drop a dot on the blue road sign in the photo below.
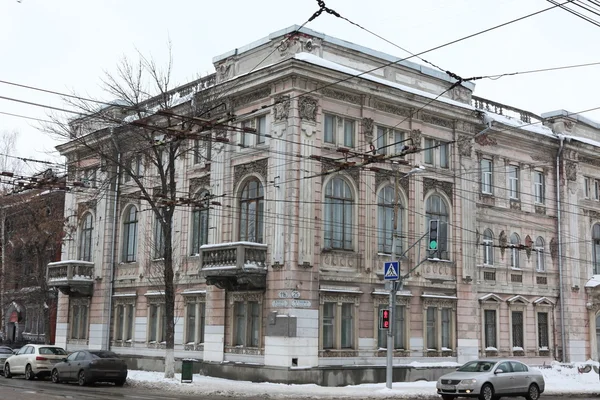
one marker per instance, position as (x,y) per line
(391,271)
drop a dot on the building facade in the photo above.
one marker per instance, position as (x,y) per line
(286,269)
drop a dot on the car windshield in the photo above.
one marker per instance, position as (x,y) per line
(57,351)
(103,354)
(477,366)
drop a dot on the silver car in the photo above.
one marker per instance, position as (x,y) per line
(490,379)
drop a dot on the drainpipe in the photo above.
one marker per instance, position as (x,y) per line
(113,261)
(560,264)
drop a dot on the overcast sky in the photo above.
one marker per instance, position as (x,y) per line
(65,45)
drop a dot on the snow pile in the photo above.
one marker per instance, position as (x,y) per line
(560,379)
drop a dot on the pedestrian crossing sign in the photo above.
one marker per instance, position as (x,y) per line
(391,271)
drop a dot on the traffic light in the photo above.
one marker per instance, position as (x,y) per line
(438,237)
(384,319)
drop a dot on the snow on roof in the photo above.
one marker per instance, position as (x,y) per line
(593,282)
(575,116)
(517,123)
(438,296)
(583,140)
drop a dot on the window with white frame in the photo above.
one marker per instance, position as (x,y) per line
(339,215)
(439,327)
(490,330)
(436,153)
(488,247)
(596,248)
(124,317)
(130,229)
(513,182)
(202,151)
(540,264)
(486,176)
(539,187)
(389,141)
(253,131)
(399,328)
(543,331)
(338,130)
(252,200)
(515,244)
(339,322)
(436,208)
(247,311)
(385,218)
(586,187)
(200,214)
(79,319)
(85,239)
(157,322)
(195,314)
(517,329)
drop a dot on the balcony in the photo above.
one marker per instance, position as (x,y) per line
(73,278)
(234,266)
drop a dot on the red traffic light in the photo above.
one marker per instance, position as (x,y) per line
(384,319)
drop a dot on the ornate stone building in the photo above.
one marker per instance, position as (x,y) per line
(287,270)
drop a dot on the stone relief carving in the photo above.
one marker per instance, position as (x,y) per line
(86,206)
(435,120)
(465,146)
(462,94)
(515,204)
(252,96)
(281,108)
(343,96)
(540,209)
(131,198)
(415,136)
(590,161)
(295,43)
(403,112)
(503,241)
(384,176)
(554,248)
(340,298)
(594,215)
(353,173)
(440,303)
(197,183)
(258,167)
(528,246)
(485,140)
(380,299)
(571,171)
(245,296)
(308,108)
(367,128)
(225,70)
(466,127)
(431,184)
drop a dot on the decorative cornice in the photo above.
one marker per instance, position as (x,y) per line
(308,107)
(590,161)
(252,96)
(389,108)
(259,167)
(245,296)
(343,96)
(430,184)
(435,120)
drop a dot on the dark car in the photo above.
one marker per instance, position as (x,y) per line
(90,366)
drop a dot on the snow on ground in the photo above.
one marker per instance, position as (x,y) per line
(560,379)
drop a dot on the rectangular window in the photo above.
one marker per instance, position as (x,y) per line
(486,176)
(431,328)
(399,142)
(197,151)
(79,322)
(153,323)
(586,187)
(538,182)
(329,129)
(381,140)
(428,150)
(444,156)
(490,328)
(159,239)
(329,325)
(261,129)
(596,190)
(129,318)
(399,329)
(513,181)
(488,252)
(190,321)
(347,326)
(542,330)
(124,322)
(348,133)
(119,322)
(446,328)
(517,328)
(247,324)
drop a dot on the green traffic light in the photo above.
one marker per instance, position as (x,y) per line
(433,245)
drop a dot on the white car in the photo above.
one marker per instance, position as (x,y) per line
(33,360)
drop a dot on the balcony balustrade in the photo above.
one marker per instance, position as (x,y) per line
(234,266)
(71,277)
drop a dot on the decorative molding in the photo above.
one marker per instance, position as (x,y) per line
(259,167)
(308,107)
(465,146)
(571,170)
(340,298)
(415,136)
(432,184)
(466,127)
(515,204)
(528,246)
(343,96)
(245,296)
(439,303)
(197,183)
(252,96)
(384,299)
(435,120)
(485,140)
(503,241)
(367,129)
(389,108)
(590,161)
(542,157)
(281,108)
(82,208)
(384,176)
(540,209)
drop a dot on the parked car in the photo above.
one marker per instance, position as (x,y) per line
(90,366)
(5,352)
(491,379)
(33,360)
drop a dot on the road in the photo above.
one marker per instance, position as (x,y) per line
(20,389)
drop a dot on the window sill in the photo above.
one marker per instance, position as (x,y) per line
(489,266)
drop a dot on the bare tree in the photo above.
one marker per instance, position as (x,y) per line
(8,162)
(151,125)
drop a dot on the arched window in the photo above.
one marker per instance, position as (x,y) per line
(540,265)
(436,208)
(385,219)
(514,250)
(200,222)
(488,247)
(251,211)
(339,215)
(130,224)
(596,249)
(85,240)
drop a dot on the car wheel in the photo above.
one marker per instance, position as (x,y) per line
(447,397)
(533,393)
(487,392)
(81,378)
(7,371)
(29,375)
(120,383)
(55,377)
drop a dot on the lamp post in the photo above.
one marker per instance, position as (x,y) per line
(395,285)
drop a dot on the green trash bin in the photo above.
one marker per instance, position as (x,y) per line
(187,370)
